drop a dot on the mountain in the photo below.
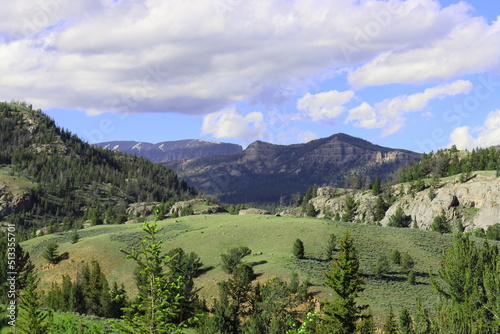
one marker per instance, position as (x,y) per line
(265,172)
(49,176)
(167,151)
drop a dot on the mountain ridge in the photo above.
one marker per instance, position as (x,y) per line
(266,171)
(167,151)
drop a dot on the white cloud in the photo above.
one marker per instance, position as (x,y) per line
(189,57)
(324,106)
(444,56)
(228,123)
(389,114)
(489,135)
(306,136)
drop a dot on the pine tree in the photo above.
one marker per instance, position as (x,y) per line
(158,301)
(350,208)
(298,249)
(405,322)
(31,319)
(344,277)
(331,246)
(390,325)
(422,322)
(51,254)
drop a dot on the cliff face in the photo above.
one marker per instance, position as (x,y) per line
(476,203)
(264,171)
(173,150)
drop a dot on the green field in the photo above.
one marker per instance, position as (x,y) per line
(270,238)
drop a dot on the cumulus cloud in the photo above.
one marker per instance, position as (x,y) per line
(488,135)
(197,58)
(442,57)
(390,114)
(324,106)
(228,123)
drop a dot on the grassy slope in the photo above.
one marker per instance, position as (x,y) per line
(211,235)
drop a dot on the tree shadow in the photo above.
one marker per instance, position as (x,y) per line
(253,264)
(204,270)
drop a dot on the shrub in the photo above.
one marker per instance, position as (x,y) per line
(440,224)
(493,232)
(399,219)
(187,211)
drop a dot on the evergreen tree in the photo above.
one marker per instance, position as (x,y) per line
(31,318)
(298,249)
(234,258)
(51,254)
(405,322)
(331,246)
(399,219)
(158,301)
(344,277)
(375,186)
(390,325)
(350,209)
(422,322)
(380,208)
(74,237)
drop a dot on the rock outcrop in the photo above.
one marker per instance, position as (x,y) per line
(14,203)
(475,202)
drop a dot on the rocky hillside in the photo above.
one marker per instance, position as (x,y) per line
(265,172)
(48,176)
(173,150)
(475,202)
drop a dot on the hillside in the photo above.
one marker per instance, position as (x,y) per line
(167,151)
(264,172)
(270,238)
(49,177)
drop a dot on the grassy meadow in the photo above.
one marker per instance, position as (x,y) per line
(270,238)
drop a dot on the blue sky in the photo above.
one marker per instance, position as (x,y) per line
(415,74)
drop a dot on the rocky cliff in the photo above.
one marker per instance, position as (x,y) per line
(475,202)
(264,171)
(173,150)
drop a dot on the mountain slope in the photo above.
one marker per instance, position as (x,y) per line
(264,171)
(173,150)
(65,179)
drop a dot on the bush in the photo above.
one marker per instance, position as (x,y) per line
(187,211)
(298,249)
(440,224)
(493,232)
(399,219)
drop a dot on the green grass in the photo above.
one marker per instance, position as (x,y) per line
(271,239)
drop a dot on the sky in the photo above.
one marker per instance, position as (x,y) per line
(416,74)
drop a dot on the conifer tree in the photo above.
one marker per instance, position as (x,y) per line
(344,277)
(31,318)
(298,249)
(390,325)
(157,304)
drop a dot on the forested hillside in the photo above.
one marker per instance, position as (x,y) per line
(49,177)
